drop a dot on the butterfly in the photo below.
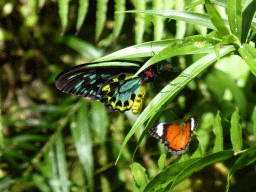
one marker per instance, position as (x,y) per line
(110,82)
(175,138)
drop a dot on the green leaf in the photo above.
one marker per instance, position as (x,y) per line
(41,183)
(158,21)
(248,53)
(248,157)
(162,161)
(63,12)
(62,164)
(80,130)
(180,47)
(1,134)
(218,131)
(236,132)
(254,121)
(216,19)
(139,175)
(168,175)
(170,91)
(118,17)
(187,16)
(201,163)
(140,50)
(219,83)
(139,21)
(82,47)
(234,12)
(248,15)
(99,121)
(82,11)
(101,15)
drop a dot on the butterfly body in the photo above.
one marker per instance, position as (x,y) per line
(112,85)
(175,138)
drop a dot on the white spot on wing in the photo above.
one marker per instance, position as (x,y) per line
(193,124)
(160,129)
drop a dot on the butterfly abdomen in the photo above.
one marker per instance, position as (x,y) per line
(138,101)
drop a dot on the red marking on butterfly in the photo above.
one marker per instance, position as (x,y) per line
(175,138)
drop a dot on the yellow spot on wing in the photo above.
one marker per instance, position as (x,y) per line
(138,101)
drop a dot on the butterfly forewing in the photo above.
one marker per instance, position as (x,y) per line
(112,85)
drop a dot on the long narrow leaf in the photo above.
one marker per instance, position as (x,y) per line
(247,158)
(101,15)
(203,162)
(218,131)
(234,11)
(118,17)
(216,19)
(62,164)
(248,53)
(248,15)
(181,47)
(139,21)
(63,12)
(82,11)
(236,132)
(82,138)
(187,16)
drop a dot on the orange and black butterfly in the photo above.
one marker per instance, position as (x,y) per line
(175,138)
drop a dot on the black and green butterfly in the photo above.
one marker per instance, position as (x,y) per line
(110,82)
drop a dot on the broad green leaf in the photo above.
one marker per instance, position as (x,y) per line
(248,157)
(62,164)
(248,15)
(63,12)
(81,134)
(201,163)
(216,19)
(118,17)
(236,132)
(101,15)
(139,175)
(82,11)
(170,91)
(218,131)
(168,175)
(248,53)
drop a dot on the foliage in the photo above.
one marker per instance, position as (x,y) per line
(56,142)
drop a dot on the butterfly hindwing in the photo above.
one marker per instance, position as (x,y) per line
(112,85)
(124,93)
